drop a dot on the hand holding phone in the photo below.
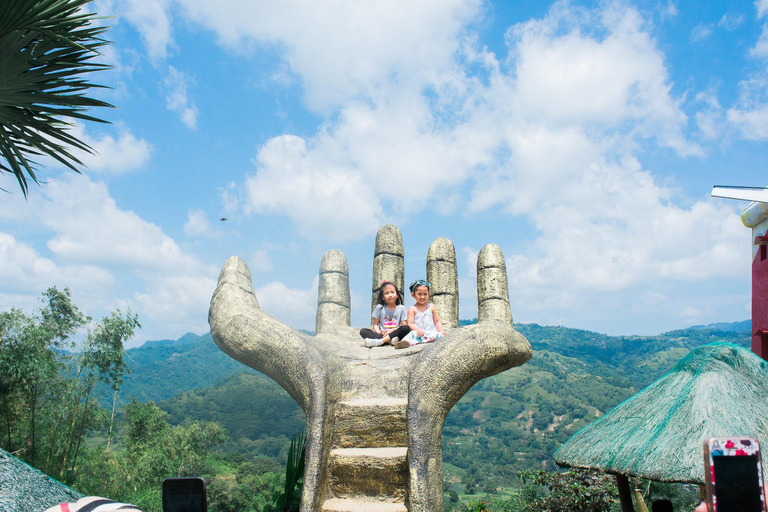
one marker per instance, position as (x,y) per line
(733,475)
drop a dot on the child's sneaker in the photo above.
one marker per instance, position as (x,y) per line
(373,342)
(401,344)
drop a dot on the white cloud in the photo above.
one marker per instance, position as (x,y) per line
(112,154)
(669,11)
(177,98)
(176,303)
(230,197)
(750,114)
(730,23)
(701,32)
(197,225)
(104,253)
(152,19)
(344,49)
(711,120)
(24,270)
(762,7)
(565,76)
(260,261)
(293,307)
(324,199)
(90,227)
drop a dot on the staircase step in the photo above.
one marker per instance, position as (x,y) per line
(371,423)
(338,505)
(374,472)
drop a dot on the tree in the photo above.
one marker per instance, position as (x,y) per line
(577,490)
(153,450)
(46,46)
(47,379)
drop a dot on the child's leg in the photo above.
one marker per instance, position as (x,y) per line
(365,332)
(372,338)
(401,332)
(432,336)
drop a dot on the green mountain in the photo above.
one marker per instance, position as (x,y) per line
(258,414)
(512,421)
(163,369)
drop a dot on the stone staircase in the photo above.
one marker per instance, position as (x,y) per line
(368,467)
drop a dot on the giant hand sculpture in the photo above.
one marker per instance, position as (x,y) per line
(374,416)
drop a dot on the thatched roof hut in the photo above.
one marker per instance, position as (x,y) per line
(719,389)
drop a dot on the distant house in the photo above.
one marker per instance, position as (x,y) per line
(25,489)
(755,216)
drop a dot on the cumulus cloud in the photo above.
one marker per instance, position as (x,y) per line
(260,261)
(90,227)
(566,76)
(362,44)
(323,198)
(25,270)
(96,248)
(197,225)
(113,154)
(750,112)
(176,301)
(294,307)
(153,21)
(422,120)
(668,11)
(762,7)
(177,98)
(711,120)
(551,137)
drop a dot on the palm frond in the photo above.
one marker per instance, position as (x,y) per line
(46,48)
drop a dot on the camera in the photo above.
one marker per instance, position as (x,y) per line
(185,494)
(733,475)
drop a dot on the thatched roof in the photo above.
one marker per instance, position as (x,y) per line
(719,389)
(25,489)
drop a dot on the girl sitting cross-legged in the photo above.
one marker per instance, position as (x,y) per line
(389,318)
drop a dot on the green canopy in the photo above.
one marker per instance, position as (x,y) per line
(25,489)
(719,389)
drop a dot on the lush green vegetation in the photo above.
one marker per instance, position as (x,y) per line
(186,408)
(47,380)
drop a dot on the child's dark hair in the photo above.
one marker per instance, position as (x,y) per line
(418,283)
(380,298)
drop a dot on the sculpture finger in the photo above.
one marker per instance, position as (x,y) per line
(333,302)
(388,263)
(441,375)
(492,290)
(444,281)
(258,340)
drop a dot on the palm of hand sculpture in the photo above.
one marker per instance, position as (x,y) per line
(374,416)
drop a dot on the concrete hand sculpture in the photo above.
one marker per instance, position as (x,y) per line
(374,416)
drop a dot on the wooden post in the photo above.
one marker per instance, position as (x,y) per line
(625,495)
(640,502)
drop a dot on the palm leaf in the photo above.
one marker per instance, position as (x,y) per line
(46,48)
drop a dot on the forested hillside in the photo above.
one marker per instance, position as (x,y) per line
(506,423)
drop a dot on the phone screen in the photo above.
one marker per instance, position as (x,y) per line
(737,483)
(184,495)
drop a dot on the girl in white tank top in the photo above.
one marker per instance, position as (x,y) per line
(423,318)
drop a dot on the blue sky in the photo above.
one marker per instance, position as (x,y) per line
(582,137)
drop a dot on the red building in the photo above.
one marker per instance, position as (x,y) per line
(755,216)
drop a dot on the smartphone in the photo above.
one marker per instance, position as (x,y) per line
(733,475)
(185,494)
